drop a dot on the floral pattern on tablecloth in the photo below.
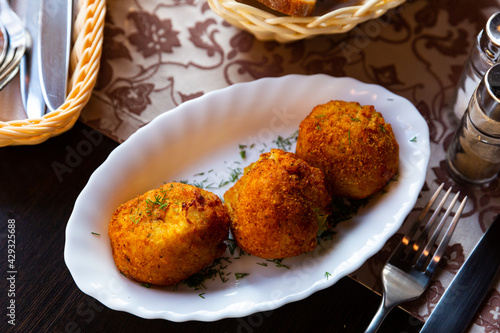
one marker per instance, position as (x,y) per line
(159,54)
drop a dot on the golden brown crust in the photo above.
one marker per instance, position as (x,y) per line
(352,144)
(291,7)
(168,234)
(274,206)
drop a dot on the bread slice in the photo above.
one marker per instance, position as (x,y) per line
(291,7)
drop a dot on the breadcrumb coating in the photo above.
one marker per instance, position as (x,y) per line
(277,206)
(168,234)
(352,144)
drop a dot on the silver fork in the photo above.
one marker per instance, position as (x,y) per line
(410,268)
(16,40)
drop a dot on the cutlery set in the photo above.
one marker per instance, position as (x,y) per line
(38,47)
(405,277)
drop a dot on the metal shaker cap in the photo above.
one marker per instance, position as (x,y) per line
(490,38)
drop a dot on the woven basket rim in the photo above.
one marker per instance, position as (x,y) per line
(84,63)
(267,26)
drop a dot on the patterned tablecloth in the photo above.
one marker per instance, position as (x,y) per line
(158,54)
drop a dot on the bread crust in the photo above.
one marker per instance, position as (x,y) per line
(291,7)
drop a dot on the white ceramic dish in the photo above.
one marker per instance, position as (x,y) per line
(201,141)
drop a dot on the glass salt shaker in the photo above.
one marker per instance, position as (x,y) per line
(474,154)
(484,54)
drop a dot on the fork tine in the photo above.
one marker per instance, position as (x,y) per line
(9,77)
(444,242)
(431,242)
(411,244)
(411,233)
(429,224)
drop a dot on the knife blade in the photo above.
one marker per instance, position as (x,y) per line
(31,91)
(458,305)
(56,18)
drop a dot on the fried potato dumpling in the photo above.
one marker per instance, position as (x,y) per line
(352,144)
(277,206)
(168,234)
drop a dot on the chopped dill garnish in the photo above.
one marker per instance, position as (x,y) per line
(231,245)
(242,253)
(327,275)
(278,263)
(414,139)
(286,143)
(240,275)
(343,209)
(262,264)
(147,285)
(235,174)
(243,153)
(202,295)
(198,185)
(160,201)
(215,269)
(95,233)
(223,183)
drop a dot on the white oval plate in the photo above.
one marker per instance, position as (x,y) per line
(201,141)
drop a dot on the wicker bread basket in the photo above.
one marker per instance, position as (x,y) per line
(266,26)
(84,65)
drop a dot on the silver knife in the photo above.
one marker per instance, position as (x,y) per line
(31,91)
(54,42)
(458,305)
